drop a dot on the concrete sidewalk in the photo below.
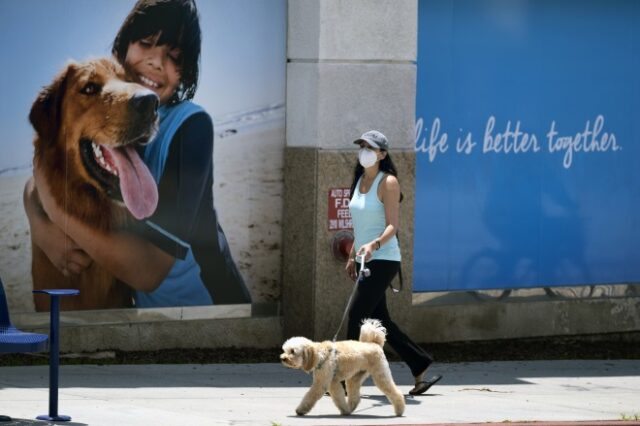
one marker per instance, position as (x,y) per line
(267,394)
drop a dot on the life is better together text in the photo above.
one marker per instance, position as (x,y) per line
(513,139)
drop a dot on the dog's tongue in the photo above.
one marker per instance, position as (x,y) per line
(139,190)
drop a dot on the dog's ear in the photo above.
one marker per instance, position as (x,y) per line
(309,358)
(46,111)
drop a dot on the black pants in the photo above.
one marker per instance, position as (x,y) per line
(370,302)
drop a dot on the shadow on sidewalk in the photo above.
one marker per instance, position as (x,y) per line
(277,376)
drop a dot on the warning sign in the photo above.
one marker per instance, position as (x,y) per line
(339,217)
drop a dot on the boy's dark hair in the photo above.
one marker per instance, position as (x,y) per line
(178,22)
(386,166)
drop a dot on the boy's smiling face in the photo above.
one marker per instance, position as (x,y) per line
(154,66)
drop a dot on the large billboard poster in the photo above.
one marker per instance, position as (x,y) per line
(527,144)
(203,223)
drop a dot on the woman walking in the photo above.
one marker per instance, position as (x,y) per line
(375,208)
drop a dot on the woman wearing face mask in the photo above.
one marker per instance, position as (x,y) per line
(375,208)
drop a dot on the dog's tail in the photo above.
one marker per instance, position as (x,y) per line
(372,331)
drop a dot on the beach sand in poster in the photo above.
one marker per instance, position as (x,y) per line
(248,195)
(15,246)
(248,187)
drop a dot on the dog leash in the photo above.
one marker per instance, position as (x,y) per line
(363,272)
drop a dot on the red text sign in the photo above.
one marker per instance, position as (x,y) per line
(339,216)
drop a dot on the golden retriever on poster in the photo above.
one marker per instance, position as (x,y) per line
(348,360)
(88,123)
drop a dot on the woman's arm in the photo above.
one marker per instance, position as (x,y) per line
(61,250)
(389,193)
(351,264)
(390,196)
(130,259)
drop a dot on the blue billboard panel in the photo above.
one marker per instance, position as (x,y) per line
(527,144)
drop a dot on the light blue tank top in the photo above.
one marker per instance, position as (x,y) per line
(183,285)
(367,215)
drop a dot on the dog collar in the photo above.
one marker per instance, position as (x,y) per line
(322,362)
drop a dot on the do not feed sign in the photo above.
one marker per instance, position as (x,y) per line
(339,216)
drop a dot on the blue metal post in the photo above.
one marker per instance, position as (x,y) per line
(54,354)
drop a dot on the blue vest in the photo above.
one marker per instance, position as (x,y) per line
(183,285)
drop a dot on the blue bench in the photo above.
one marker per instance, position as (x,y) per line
(13,340)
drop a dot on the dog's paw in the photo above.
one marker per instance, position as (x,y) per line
(399,409)
(353,404)
(301,411)
(345,412)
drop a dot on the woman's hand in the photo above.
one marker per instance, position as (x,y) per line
(351,269)
(61,250)
(366,250)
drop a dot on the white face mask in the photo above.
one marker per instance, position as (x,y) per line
(367,158)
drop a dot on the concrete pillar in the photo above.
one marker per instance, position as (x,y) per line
(351,68)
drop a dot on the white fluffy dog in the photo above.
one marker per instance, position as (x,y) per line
(347,360)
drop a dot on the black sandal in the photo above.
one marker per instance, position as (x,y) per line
(423,386)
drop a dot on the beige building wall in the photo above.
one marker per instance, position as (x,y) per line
(351,68)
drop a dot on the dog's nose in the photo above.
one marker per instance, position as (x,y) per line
(145,104)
